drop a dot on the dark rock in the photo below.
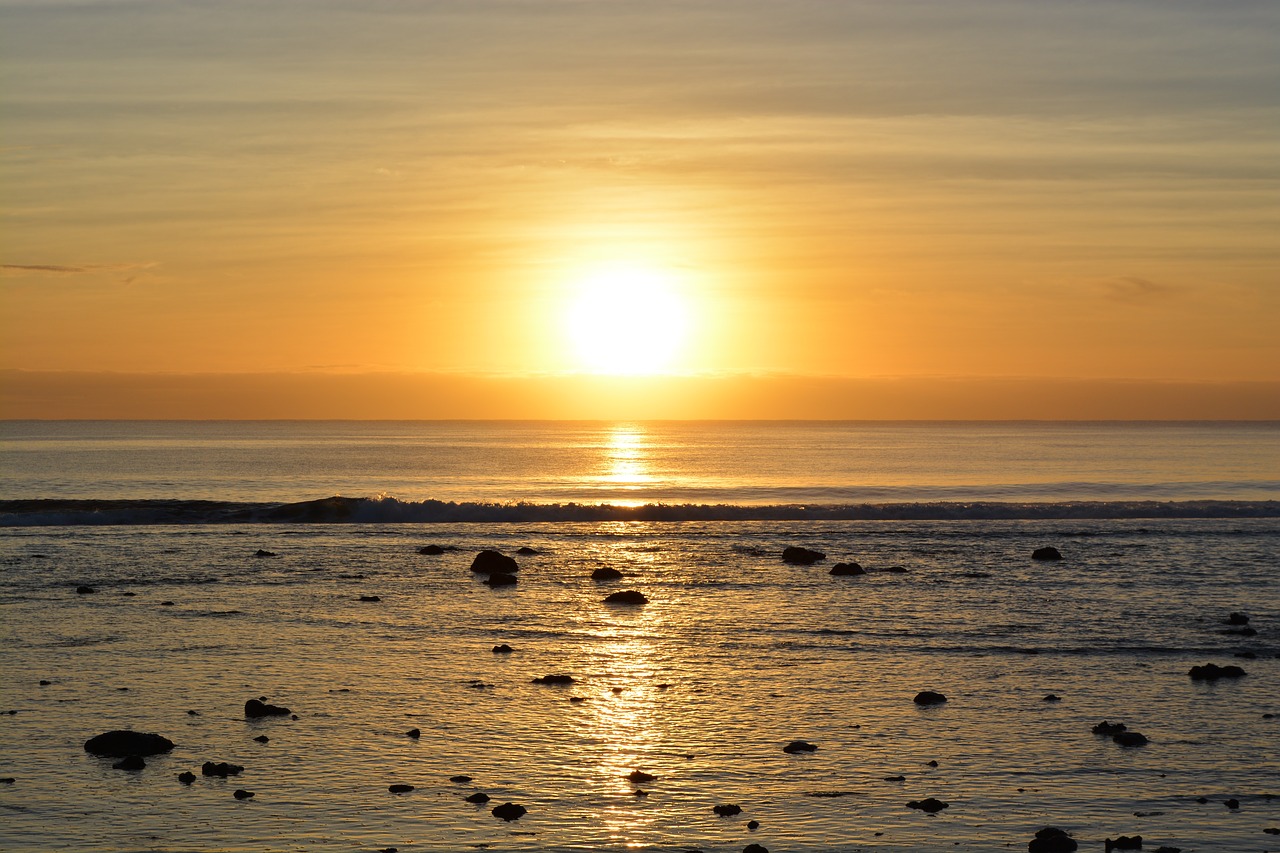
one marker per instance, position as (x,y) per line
(431,550)
(1052,697)
(847,569)
(526,551)
(753,825)
(1272,830)
(1109,728)
(615,690)
(1166,849)
(577,699)
(166,604)
(637,777)
(639,793)
(929,697)
(1231,803)
(45,683)
(728,810)
(221,769)
(509,812)
(400,789)
(1052,840)
(255,708)
(85,590)
(193,713)
(828,795)
(460,779)
(414,733)
(1202,800)
(1124,842)
(895,570)
(1130,738)
(186,777)
(755,848)
(128,594)
(370,598)
(801,556)
(1212,672)
(122,742)
(606,573)
(1237,619)
(261,553)
(242,794)
(929,805)
(478,797)
(554,679)
(130,762)
(488,562)
(1240,632)
(501,579)
(262,739)
(1046,553)
(895,778)
(932,763)
(798,746)
(503,649)
(627,596)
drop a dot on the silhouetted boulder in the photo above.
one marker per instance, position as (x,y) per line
(1052,697)
(221,769)
(627,596)
(370,598)
(242,794)
(413,733)
(130,762)
(929,697)
(638,777)
(1231,803)
(1052,840)
(605,573)
(929,805)
(727,810)
(487,562)
(1212,672)
(1237,619)
(85,590)
(502,649)
(526,551)
(498,579)
(798,746)
(1046,553)
(1108,728)
(755,848)
(186,777)
(554,679)
(255,708)
(478,797)
(122,742)
(262,553)
(262,739)
(1130,738)
(509,812)
(801,556)
(847,569)
(400,789)
(431,550)
(1124,842)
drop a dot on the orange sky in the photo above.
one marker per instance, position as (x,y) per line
(954,195)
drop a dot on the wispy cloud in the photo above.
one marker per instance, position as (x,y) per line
(1131,288)
(11,270)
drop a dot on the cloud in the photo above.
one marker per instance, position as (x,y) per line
(11,270)
(1131,288)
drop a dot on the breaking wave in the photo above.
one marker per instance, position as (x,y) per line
(389,510)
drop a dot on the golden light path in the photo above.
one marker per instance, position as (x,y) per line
(625,462)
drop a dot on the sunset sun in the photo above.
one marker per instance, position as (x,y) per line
(627,321)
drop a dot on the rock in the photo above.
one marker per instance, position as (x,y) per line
(637,777)
(460,779)
(606,574)
(242,794)
(261,553)
(1052,840)
(554,679)
(166,604)
(498,579)
(1124,842)
(526,551)
(1237,619)
(755,848)
(221,769)
(262,739)
(478,797)
(488,562)
(1046,553)
(44,682)
(847,569)
(1231,803)
(929,697)
(431,550)
(895,778)
(122,742)
(727,810)
(85,590)
(255,708)
(400,789)
(801,556)
(370,598)
(509,812)
(1212,672)
(1246,655)
(1240,632)
(753,825)
(130,762)
(895,570)
(414,733)
(1052,698)
(929,805)
(1272,830)
(627,596)
(798,746)
(503,649)
(186,777)
(1108,728)
(1130,738)
(932,763)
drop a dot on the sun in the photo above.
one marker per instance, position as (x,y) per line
(627,320)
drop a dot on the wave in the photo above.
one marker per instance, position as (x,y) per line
(389,510)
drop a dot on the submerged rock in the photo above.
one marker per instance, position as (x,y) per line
(264,553)
(85,590)
(627,596)
(413,733)
(130,762)
(221,769)
(1124,842)
(460,779)
(1237,619)
(798,746)
(186,777)
(502,649)
(370,598)
(801,556)
(605,573)
(509,812)
(1052,840)
(930,805)
(431,550)
(262,739)
(1046,553)
(526,551)
(400,789)
(554,679)
(255,708)
(1052,697)
(501,579)
(727,810)
(1212,672)
(1108,728)
(489,561)
(847,569)
(755,848)
(123,742)
(478,797)
(637,777)
(929,697)
(242,794)
(1130,738)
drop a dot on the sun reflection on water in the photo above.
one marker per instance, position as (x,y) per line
(625,462)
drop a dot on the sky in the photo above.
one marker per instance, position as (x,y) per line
(597,208)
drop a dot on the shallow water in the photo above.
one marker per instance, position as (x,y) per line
(754,653)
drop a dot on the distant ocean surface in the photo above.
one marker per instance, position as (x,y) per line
(155,576)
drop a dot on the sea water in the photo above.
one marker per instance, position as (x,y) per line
(736,654)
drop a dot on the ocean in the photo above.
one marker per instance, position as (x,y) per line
(235,561)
